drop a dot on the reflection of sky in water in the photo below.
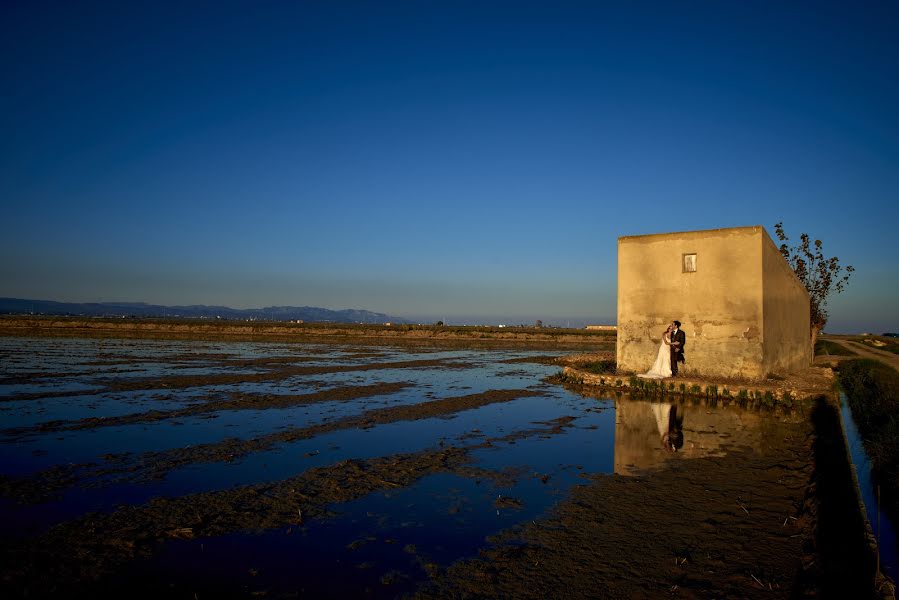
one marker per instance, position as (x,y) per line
(31,412)
(150,370)
(459,381)
(880,523)
(91,444)
(43,450)
(438,519)
(287,460)
(87,445)
(49,385)
(319,560)
(579,445)
(290,459)
(151,358)
(444,516)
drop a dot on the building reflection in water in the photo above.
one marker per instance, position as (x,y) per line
(650,432)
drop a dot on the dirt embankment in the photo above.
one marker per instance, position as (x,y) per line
(293,331)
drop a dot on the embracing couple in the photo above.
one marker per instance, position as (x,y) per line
(670,353)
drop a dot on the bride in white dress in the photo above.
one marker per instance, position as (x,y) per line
(661,368)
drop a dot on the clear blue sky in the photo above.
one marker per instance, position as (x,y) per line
(436,159)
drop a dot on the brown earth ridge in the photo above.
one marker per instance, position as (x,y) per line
(162,328)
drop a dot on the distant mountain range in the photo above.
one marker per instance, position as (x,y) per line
(309,314)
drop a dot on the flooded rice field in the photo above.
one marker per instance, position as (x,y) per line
(206,469)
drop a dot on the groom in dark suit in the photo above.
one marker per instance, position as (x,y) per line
(678,339)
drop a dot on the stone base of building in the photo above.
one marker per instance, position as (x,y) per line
(806,385)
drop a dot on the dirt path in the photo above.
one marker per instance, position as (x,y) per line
(866,352)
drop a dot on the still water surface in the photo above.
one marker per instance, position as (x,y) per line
(883,528)
(382,544)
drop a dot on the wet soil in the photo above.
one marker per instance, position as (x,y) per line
(75,556)
(744,525)
(234,401)
(119,468)
(71,557)
(178,382)
(191,381)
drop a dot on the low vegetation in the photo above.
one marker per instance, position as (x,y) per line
(872,389)
(827,347)
(599,367)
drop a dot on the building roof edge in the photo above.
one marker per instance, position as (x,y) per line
(747,229)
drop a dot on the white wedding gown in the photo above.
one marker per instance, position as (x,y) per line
(661,368)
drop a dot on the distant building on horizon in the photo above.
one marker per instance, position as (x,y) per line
(744,311)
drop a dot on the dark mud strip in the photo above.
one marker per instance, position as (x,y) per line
(151,465)
(134,357)
(192,361)
(362,354)
(35,376)
(213,358)
(188,381)
(236,401)
(261,361)
(552,427)
(69,558)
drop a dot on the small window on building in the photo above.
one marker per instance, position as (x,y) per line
(689,263)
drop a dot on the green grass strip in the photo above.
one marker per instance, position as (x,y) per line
(872,389)
(826,347)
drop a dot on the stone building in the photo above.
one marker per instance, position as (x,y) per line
(744,311)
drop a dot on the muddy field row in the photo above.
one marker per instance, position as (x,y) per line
(207,468)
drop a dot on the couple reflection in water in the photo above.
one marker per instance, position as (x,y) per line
(670,423)
(643,428)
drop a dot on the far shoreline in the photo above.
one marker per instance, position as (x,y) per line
(182,328)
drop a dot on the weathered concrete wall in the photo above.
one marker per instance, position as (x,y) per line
(719,305)
(785,312)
